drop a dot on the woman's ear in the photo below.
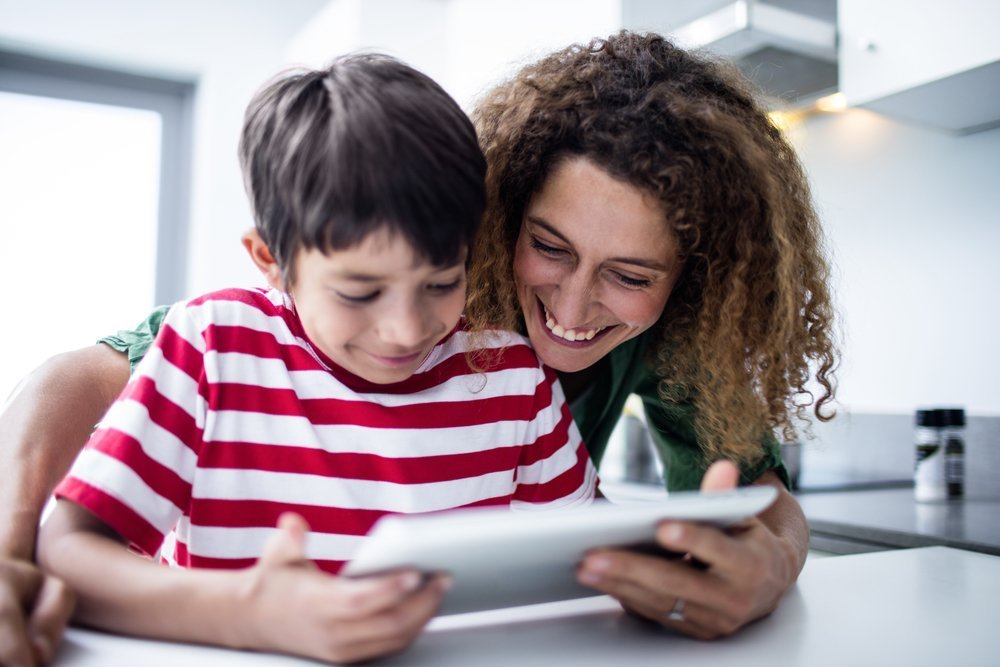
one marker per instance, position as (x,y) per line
(261,255)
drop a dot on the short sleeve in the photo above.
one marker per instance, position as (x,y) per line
(137,470)
(135,342)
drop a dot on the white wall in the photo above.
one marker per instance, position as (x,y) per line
(914,219)
(912,213)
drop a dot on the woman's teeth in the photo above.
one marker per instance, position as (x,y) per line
(569,334)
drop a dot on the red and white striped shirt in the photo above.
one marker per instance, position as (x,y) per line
(233,418)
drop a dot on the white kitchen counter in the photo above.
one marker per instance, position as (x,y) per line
(929,606)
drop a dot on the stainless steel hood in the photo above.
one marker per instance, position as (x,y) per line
(788,47)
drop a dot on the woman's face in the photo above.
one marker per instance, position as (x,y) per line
(595,263)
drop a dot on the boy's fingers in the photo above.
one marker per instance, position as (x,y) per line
(368,596)
(396,628)
(52,611)
(288,545)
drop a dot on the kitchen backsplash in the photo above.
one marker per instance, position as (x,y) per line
(865,448)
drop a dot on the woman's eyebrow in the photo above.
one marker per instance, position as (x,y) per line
(651,264)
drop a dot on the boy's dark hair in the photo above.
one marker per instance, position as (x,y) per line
(368,143)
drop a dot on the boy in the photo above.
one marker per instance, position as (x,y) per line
(348,390)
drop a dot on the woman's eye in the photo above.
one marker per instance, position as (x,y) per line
(544,248)
(634,283)
(364,298)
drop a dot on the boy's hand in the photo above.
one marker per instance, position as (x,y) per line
(291,606)
(34,608)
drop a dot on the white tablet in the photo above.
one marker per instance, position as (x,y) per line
(503,558)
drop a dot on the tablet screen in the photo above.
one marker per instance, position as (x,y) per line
(498,557)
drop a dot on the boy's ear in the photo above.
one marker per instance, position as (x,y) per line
(261,255)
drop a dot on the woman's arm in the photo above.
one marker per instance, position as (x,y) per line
(732,577)
(283,603)
(43,426)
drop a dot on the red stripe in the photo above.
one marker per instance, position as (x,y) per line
(260,344)
(164,412)
(549,443)
(179,352)
(264,514)
(559,487)
(207,563)
(352,465)
(161,479)
(256,297)
(120,517)
(334,411)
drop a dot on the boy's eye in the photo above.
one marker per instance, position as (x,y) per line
(445,288)
(364,298)
(544,248)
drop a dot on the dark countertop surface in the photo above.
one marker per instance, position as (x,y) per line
(871,520)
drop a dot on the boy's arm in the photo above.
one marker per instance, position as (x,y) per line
(43,425)
(283,603)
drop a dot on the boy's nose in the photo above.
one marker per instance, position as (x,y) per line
(407,327)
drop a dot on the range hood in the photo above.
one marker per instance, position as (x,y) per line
(788,47)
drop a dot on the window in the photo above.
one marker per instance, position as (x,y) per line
(93,204)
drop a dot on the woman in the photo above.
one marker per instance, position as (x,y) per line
(652,233)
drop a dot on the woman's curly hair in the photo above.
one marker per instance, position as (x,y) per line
(749,322)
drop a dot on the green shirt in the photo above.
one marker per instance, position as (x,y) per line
(622,372)
(625,371)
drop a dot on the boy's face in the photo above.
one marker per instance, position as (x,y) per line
(377,309)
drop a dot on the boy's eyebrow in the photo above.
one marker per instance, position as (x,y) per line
(637,261)
(356,276)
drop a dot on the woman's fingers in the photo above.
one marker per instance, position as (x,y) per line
(48,619)
(21,585)
(14,646)
(724,578)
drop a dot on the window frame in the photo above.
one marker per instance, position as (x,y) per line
(173,99)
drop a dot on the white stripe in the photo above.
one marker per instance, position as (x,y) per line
(251,427)
(132,419)
(223,312)
(172,383)
(581,497)
(241,368)
(222,542)
(179,319)
(119,481)
(547,469)
(294,488)
(462,341)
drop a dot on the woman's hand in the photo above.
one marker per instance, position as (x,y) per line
(728,577)
(292,607)
(34,609)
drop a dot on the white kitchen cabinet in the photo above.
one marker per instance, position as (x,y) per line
(937,63)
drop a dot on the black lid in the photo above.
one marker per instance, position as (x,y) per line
(930,418)
(953,417)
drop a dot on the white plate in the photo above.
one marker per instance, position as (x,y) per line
(502,558)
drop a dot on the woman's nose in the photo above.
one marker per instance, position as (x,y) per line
(576,300)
